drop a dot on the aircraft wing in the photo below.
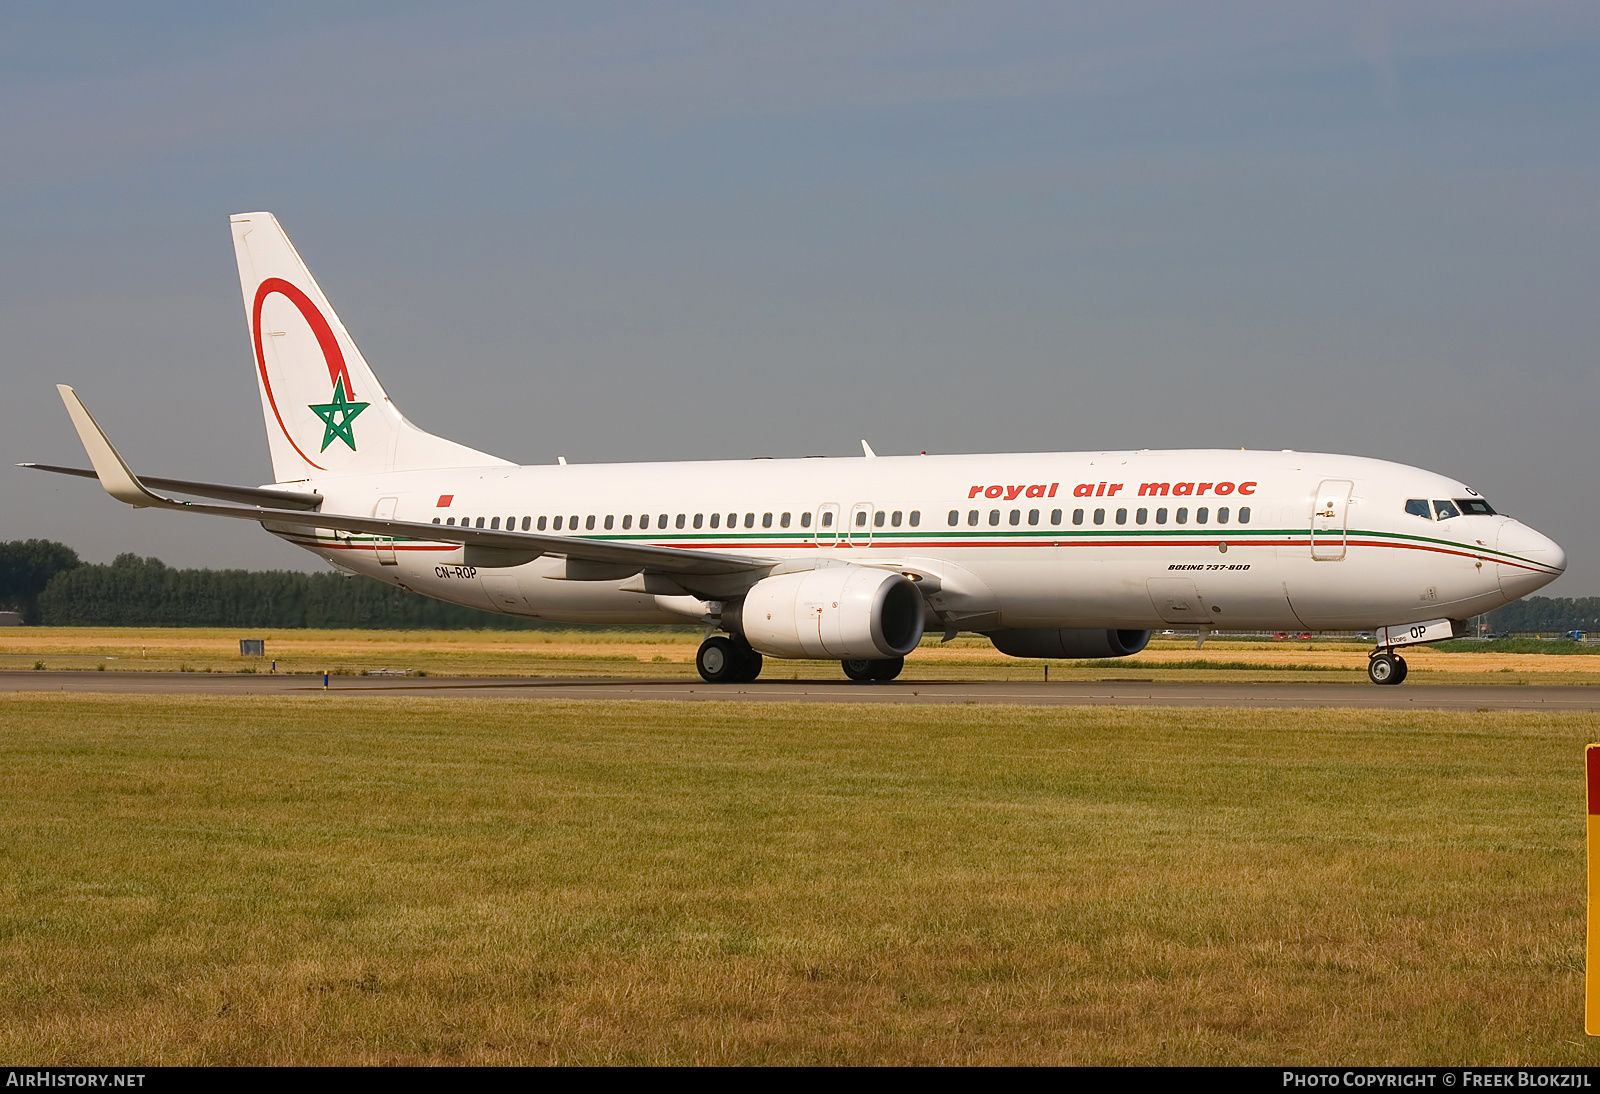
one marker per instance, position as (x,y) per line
(510,547)
(250,495)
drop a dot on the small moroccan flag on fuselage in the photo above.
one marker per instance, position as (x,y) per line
(1591,952)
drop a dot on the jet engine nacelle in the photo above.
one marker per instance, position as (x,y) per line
(846,612)
(1065,642)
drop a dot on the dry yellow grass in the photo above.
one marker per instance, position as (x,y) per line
(671,654)
(321,879)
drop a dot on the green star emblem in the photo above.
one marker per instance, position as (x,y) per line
(337,416)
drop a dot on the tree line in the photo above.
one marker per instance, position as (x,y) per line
(1543,614)
(49,584)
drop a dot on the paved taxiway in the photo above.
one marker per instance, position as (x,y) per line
(1032,693)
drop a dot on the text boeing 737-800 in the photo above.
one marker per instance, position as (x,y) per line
(1068,554)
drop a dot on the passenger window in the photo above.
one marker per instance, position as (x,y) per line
(994,518)
(588,523)
(1122,516)
(1418,507)
(716,520)
(661,521)
(494,524)
(699,519)
(972,518)
(511,523)
(644,521)
(1099,516)
(916,517)
(480,522)
(1182,516)
(766,520)
(1161,516)
(955,517)
(1055,516)
(894,521)
(1140,516)
(878,518)
(861,519)
(1202,515)
(783,521)
(1016,517)
(526,521)
(557,524)
(681,521)
(542,522)
(451,522)
(1033,516)
(627,521)
(805,519)
(1222,515)
(572,522)
(749,520)
(609,520)
(1244,514)
(1077,516)
(436,520)
(1445,509)
(733,520)
(827,518)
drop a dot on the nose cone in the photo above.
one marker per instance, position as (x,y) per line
(1531,560)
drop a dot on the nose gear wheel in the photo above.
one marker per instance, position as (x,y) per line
(1386,667)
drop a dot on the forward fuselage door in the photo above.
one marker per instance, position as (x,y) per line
(1329,513)
(859,531)
(384,545)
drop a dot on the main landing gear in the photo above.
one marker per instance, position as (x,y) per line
(863,670)
(1386,667)
(730,660)
(727,660)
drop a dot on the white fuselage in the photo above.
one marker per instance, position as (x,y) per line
(1190,539)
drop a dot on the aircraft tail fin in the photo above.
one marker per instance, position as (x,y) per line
(325,411)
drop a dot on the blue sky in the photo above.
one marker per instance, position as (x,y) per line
(635,231)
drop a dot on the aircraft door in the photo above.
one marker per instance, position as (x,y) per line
(828,524)
(1177,601)
(383,546)
(505,592)
(1329,513)
(859,531)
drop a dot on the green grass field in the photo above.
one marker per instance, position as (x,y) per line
(335,880)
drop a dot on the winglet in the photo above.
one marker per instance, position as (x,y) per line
(119,482)
(866,449)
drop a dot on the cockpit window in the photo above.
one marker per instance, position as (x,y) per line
(1445,509)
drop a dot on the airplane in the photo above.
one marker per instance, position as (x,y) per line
(1049,555)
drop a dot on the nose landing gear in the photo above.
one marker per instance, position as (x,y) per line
(1386,667)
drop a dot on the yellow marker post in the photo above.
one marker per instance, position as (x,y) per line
(1591,953)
